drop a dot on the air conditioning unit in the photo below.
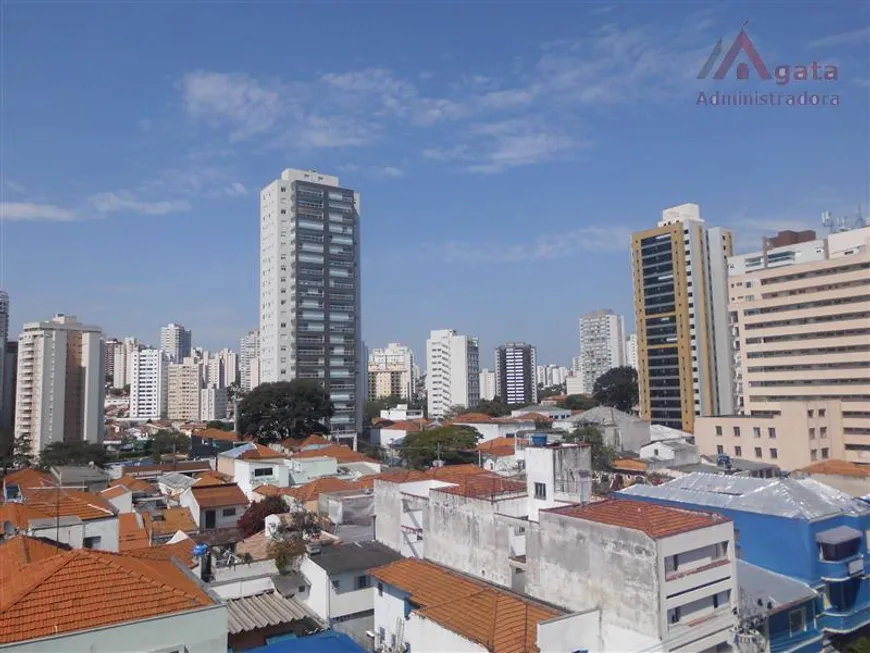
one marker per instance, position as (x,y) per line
(312,548)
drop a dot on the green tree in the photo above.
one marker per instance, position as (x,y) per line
(72,453)
(168,441)
(453,444)
(289,546)
(495,407)
(617,388)
(217,424)
(14,452)
(457,410)
(577,402)
(253,520)
(272,412)
(602,455)
(373,407)
(552,391)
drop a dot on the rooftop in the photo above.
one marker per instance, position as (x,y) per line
(311,491)
(496,619)
(252,451)
(45,598)
(181,550)
(134,484)
(769,592)
(28,477)
(168,522)
(341,558)
(498,447)
(114,492)
(790,498)
(216,434)
(837,468)
(176,481)
(264,610)
(446,473)
(216,496)
(483,486)
(68,503)
(150,470)
(328,641)
(21,550)
(69,474)
(131,532)
(651,518)
(342,453)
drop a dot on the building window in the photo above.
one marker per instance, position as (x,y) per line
(797,622)
(91,543)
(756,431)
(380,589)
(382,635)
(771,432)
(263,471)
(812,433)
(718,430)
(825,452)
(814,454)
(822,412)
(362,582)
(774,453)
(674,615)
(758,452)
(823,432)
(736,431)
(228,512)
(540,491)
(335,585)
(810,412)
(720,448)
(738,451)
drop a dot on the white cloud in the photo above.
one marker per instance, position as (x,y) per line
(113,202)
(28,211)
(388,172)
(13,186)
(845,38)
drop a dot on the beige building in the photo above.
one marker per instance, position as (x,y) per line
(61,382)
(391,372)
(802,334)
(183,391)
(802,433)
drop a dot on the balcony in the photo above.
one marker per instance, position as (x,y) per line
(834,571)
(841,556)
(845,622)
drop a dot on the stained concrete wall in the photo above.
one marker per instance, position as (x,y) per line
(388,514)
(464,534)
(582,565)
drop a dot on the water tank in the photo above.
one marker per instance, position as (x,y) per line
(539,440)
(200,550)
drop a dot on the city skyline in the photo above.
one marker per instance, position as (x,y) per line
(186,152)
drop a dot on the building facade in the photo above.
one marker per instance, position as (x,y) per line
(149,379)
(175,342)
(516,373)
(487,385)
(249,361)
(213,404)
(10,382)
(680,296)
(310,290)
(391,372)
(184,382)
(452,371)
(61,382)
(4,338)
(602,345)
(631,350)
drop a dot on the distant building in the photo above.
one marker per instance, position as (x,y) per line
(516,373)
(631,350)
(61,382)
(391,372)
(175,342)
(453,371)
(10,383)
(213,404)
(122,361)
(4,338)
(249,362)
(602,345)
(184,382)
(149,384)
(487,385)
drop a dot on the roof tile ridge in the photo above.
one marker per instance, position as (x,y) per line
(134,565)
(47,568)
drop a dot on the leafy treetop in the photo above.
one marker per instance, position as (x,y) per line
(272,412)
(451,443)
(617,388)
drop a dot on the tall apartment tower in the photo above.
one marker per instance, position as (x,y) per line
(124,354)
(602,345)
(680,299)
(631,350)
(176,342)
(516,373)
(4,338)
(391,372)
(149,381)
(184,382)
(249,360)
(452,371)
(487,385)
(61,382)
(10,383)
(310,290)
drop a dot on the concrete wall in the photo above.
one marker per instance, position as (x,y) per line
(202,631)
(330,603)
(429,637)
(388,511)
(74,534)
(857,486)
(243,579)
(582,565)
(565,473)
(245,477)
(124,502)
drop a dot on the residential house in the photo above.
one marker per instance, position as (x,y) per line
(670,452)
(339,587)
(386,433)
(131,532)
(500,456)
(215,506)
(163,524)
(621,431)
(81,477)
(839,474)
(799,528)
(22,479)
(133,603)
(208,442)
(120,497)
(252,465)
(491,428)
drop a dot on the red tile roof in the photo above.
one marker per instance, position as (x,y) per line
(341,452)
(19,514)
(22,550)
(259,452)
(131,532)
(29,478)
(837,468)
(217,434)
(483,487)
(169,522)
(446,473)
(311,491)
(114,492)
(655,520)
(217,496)
(68,503)
(498,447)
(408,425)
(500,621)
(134,484)
(629,465)
(46,598)
(182,550)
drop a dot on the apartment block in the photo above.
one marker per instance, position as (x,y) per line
(487,384)
(602,345)
(4,338)
(249,361)
(175,342)
(149,380)
(391,372)
(631,350)
(184,382)
(452,371)
(61,382)
(802,334)
(213,404)
(310,290)
(10,383)
(681,299)
(516,373)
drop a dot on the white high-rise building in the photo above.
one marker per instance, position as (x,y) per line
(213,404)
(602,345)
(452,371)
(249,363)
(631,351)
(310,290)
(184,381)
(122,365)
(487,384)
(175,342)
(4,338)
(391,372)
(516,373)
(61,382)
(149,379)
(229,366)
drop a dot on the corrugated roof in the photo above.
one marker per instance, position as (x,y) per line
(790,498)
(264,610)
(651,518)
(760,587)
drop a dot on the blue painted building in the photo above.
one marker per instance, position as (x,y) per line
(798,528)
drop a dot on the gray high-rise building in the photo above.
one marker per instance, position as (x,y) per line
(516,373)
(310,290)
(4,337)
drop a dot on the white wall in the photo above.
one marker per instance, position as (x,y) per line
(248,482)
(202,631)
(318,593)
(243,579)
(75,534)
(123,502)
(430,637)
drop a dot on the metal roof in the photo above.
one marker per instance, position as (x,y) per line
(176,481)
(236,452)
(263,610)
(790,498)
(838,535)
(767,591)
(354,556)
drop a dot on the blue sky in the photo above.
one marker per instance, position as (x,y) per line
(504,152)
